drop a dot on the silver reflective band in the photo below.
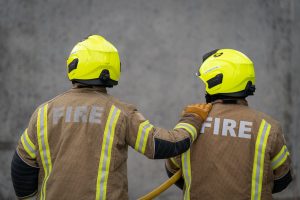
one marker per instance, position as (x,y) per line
(280,158)
(143,134)
(44,149)
(27,144)
(259,159)
(42,135)
(44,153)
(258,163)
(28,148)
(106,150)
(189,128)
(106,144)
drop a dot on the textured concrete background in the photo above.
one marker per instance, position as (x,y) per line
(161,44)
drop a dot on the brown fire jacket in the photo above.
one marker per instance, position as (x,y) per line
(239,155)
(79,141)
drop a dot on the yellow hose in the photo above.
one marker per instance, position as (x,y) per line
(164,186)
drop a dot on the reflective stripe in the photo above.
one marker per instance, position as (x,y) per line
(280,158)
(189,128)
(174,162)
(142,136)
(28,145)
(44,149)
(259,158)
(105,156)
(186,171)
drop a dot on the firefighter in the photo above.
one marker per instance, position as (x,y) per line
(75,146)
(241,152)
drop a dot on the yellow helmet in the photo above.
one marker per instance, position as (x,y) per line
(94,61)
(227,72)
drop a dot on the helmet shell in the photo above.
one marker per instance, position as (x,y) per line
(227,71)
(94,55)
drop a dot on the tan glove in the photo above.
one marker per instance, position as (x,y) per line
(201,110)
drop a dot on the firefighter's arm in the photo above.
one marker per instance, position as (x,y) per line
(280,162)
(24,167)
(172,166)
(159,143)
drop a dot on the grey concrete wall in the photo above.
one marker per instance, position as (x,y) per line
(161,44)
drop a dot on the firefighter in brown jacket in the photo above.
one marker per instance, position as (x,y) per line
(241,153)
(75,146)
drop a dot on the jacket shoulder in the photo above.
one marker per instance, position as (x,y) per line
(57,97)
(126,108)
(263,116)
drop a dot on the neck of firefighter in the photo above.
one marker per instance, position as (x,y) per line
(80,85)
(225,99)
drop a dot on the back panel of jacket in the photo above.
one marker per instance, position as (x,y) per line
(76,124)
(222,157)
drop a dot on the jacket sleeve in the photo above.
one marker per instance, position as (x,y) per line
(24,167)
(24,178)
(159,143)
(280,162)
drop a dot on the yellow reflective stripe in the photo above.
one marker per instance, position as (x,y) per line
(142,136)
(189,128)
(40,148)
(44,150)
(186,171)
(105,156)
(174,162)
(146,138)
(29,141)
(280,158)
(28,145)
(47,145)
(259,158)
(138,138)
